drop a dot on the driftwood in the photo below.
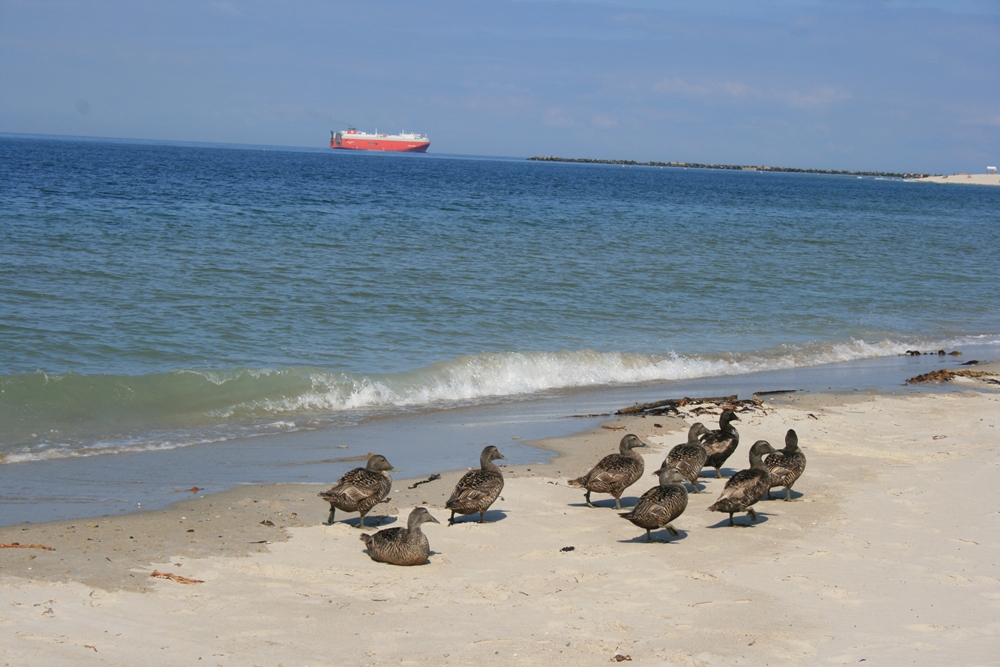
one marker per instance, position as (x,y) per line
(424,481)
(673,404)
(175,577)
(18,545)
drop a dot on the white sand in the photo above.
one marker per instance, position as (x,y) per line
(889,555)
(960,179)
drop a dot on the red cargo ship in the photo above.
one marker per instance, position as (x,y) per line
(351,139)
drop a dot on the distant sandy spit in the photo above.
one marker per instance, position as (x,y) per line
(960,179)
(887,554)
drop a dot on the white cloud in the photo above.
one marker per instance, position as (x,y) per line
(819,96)
(558,117)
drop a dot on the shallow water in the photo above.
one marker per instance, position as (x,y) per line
(158,296)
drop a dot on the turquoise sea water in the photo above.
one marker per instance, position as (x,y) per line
(157,296)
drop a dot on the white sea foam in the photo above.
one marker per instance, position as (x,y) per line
(267,401)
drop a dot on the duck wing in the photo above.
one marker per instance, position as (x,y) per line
(476,487)
(357,486)
(742,490)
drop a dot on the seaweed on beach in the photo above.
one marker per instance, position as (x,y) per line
(945,375)
(673,405)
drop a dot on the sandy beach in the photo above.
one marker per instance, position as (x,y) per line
(961,179)
(887,554)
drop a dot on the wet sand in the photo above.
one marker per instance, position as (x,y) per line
(886,554)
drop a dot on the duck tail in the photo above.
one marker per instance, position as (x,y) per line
(579,481)
(366,538)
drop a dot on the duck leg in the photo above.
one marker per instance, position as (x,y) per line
(451,521)
(361,524)
(752,513)
(718,473)
(618,503)
(769,494)
(648,538)
(482,517)
(329,519)
(788,493)
(731,519)
(587,496)
(672,530)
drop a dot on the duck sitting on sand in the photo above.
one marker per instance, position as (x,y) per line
(661,504)
(786,465)
(689,457)
(747,486)
(401,546)
(721,443)
(477,489)
(360,489)
(615,472)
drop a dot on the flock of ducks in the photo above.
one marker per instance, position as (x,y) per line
(361,489)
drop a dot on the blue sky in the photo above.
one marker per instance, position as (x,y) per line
(845,85)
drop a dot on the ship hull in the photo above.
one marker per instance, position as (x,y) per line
(346,143)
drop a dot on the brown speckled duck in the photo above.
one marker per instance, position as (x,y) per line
(786,465)
(615,472)
(661,504)
(360,489)
(689,457)
(401,546)
(747,486)
(477,489)
(721,443)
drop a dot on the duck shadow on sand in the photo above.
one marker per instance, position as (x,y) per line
(709,473)
(659,537)
(374,521)
(490,517)
(742,521)
(780,495)
(628,502)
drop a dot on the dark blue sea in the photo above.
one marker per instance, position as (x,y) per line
(160,296)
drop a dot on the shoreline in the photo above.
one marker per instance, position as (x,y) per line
(417,444)
(885,554)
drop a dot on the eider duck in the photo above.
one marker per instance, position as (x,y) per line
(786,465)
(661,504)
(477,489)
(722,442)
(615,472)
(747,486)
(401,546)
(360,489)
(689,457)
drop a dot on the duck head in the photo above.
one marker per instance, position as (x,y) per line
(419,516)
(491,453)
(791,440)
(378,463)
(727,417)
(631,441)
(669,475)
(696,431)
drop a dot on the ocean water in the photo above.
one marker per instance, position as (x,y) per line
(160,296)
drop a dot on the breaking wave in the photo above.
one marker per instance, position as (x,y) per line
(55,416)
